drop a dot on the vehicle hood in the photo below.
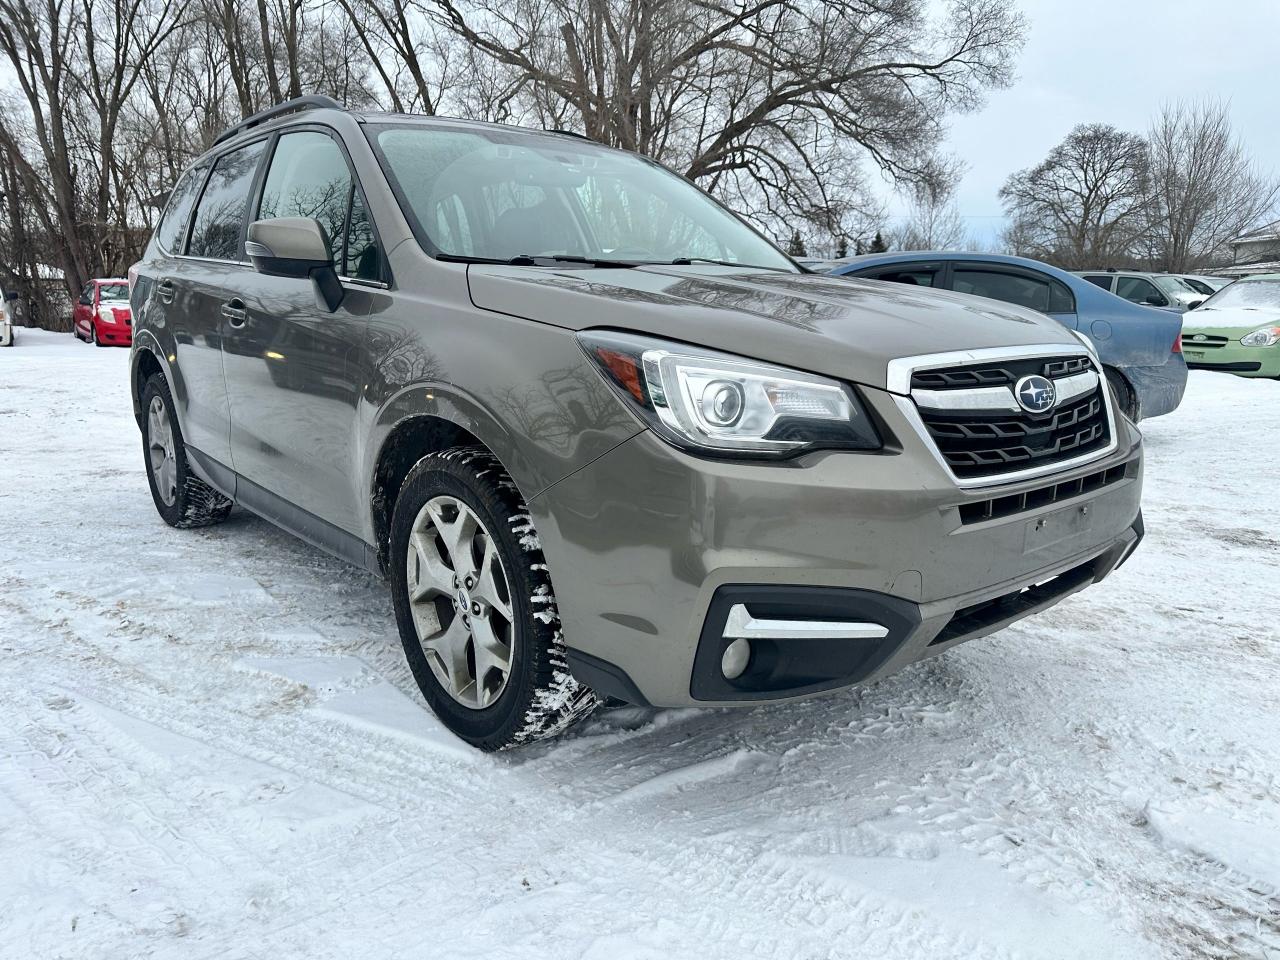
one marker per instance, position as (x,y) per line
(1244,319)
(845,328)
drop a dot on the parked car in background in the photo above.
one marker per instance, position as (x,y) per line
(1237,330)
(1206,285)
(1139,347)
(526,359)
(1147,289)
(102,314)
(6,321)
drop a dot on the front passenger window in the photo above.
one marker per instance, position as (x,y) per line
(362,260)
(308,177)
(1138,290)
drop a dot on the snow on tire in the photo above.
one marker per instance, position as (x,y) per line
(182,499)
(463,543)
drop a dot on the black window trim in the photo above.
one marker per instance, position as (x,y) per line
(1013,270)
(941,269)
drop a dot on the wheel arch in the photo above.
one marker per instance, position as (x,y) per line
(144,363)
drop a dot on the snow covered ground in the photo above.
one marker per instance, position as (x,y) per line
(210,747)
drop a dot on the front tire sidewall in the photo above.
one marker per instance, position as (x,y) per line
(497,725)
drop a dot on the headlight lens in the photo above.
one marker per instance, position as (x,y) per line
(1262,337)
(707,401)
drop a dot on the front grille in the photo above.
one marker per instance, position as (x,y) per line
(979,511)
(1005,373)
(1202,341)
(982,443)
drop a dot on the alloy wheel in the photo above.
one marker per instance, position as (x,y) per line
(461,601)
(161,451)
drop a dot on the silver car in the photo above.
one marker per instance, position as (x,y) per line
(603,438)
(1147,289)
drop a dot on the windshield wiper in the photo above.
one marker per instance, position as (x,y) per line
(550,259)
(690,261)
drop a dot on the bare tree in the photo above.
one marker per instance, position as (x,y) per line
(1204,189)
(933,224)
(1085,204)
(772,104)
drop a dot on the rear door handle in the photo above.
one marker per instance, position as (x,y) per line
(164,290)
(233,310)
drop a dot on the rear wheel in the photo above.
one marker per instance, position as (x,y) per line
(1125,396)
(182,499)
(474,605)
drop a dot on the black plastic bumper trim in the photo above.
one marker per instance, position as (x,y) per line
(792,667)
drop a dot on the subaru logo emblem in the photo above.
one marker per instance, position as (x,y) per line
(1036,394)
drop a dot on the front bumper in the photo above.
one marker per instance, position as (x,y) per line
(115,334)
(645,543)
(1234,358)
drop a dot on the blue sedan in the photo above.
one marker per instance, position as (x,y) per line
(1140,347)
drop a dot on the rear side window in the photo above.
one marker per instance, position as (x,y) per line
(913,275)
(218,231)
(1100,279)
(1037,292)
(172,231)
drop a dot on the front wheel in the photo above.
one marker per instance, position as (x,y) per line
(182,499)
(474,605)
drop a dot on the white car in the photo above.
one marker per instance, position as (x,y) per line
(6,323)
(1206,285)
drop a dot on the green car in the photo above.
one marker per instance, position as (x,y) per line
(1237,330)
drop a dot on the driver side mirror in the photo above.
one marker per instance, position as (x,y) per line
(1155,301)
(295,247)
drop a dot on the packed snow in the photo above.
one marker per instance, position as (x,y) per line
(211,747)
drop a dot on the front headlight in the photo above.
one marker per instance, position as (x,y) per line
(1262,337)
(706,401)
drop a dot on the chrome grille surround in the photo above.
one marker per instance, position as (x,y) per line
(899,382)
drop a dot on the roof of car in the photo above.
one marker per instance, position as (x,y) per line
(305,109)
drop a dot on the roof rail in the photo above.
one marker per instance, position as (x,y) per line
(314,101)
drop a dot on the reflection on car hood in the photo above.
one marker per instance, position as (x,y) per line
(846,328)
(1229,318)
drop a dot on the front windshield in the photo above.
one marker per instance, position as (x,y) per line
(493,195)
(1255,294)
(113,291)
(1174,285)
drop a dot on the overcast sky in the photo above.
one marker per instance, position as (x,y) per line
(1116,61)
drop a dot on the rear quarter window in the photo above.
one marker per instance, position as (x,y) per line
(171,233)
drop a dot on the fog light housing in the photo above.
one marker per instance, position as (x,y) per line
(734,660)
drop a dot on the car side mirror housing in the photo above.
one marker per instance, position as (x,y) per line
(295,247)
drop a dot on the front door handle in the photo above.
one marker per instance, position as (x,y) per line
(164,290)
(233,310)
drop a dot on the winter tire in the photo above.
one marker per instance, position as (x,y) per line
(474,604)
(182,499)
(1126,399)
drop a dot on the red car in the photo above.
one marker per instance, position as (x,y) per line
(102,313)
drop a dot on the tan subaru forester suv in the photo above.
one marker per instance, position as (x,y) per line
(604,439)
